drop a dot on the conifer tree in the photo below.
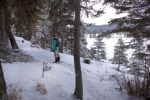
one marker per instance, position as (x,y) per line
(119,54)
(136,23)
(5,27)
(140,57)
(78,74)
(84,51)
(3,36)
(61,16)
(3,47)
(27,13)
(8,25)
(99,49)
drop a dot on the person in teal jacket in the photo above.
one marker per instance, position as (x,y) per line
(55,48)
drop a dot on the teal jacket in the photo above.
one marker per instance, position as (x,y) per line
(55,44)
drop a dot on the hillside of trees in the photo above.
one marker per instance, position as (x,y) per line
(39,20)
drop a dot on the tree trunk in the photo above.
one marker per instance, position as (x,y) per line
(12,40)
(19,29)
(61,44)
(8,29)
(78,93)
(3,37)
(43,40)
(3,91)
(72,44)
(29,33)
(119,64)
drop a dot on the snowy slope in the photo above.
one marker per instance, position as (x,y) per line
(60,80)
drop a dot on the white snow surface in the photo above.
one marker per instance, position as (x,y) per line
(60,80)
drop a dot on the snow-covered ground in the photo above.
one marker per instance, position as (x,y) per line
(60,79)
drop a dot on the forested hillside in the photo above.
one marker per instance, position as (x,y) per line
(48,52)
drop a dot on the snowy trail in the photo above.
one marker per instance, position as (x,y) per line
(60,80)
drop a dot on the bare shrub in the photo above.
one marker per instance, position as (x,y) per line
(137,86)
(14,93)
(41,87)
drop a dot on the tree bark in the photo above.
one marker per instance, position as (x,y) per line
(3,37)
(61,44)
(8,29)
(119,63)
(78,93)
(3,91)
(29,33)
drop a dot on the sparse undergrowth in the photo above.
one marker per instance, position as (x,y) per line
(14,92)
(12,56)
(136,85)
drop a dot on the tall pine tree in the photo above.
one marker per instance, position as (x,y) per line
(119,54)
(3,36)
(78,75)
(99,49)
